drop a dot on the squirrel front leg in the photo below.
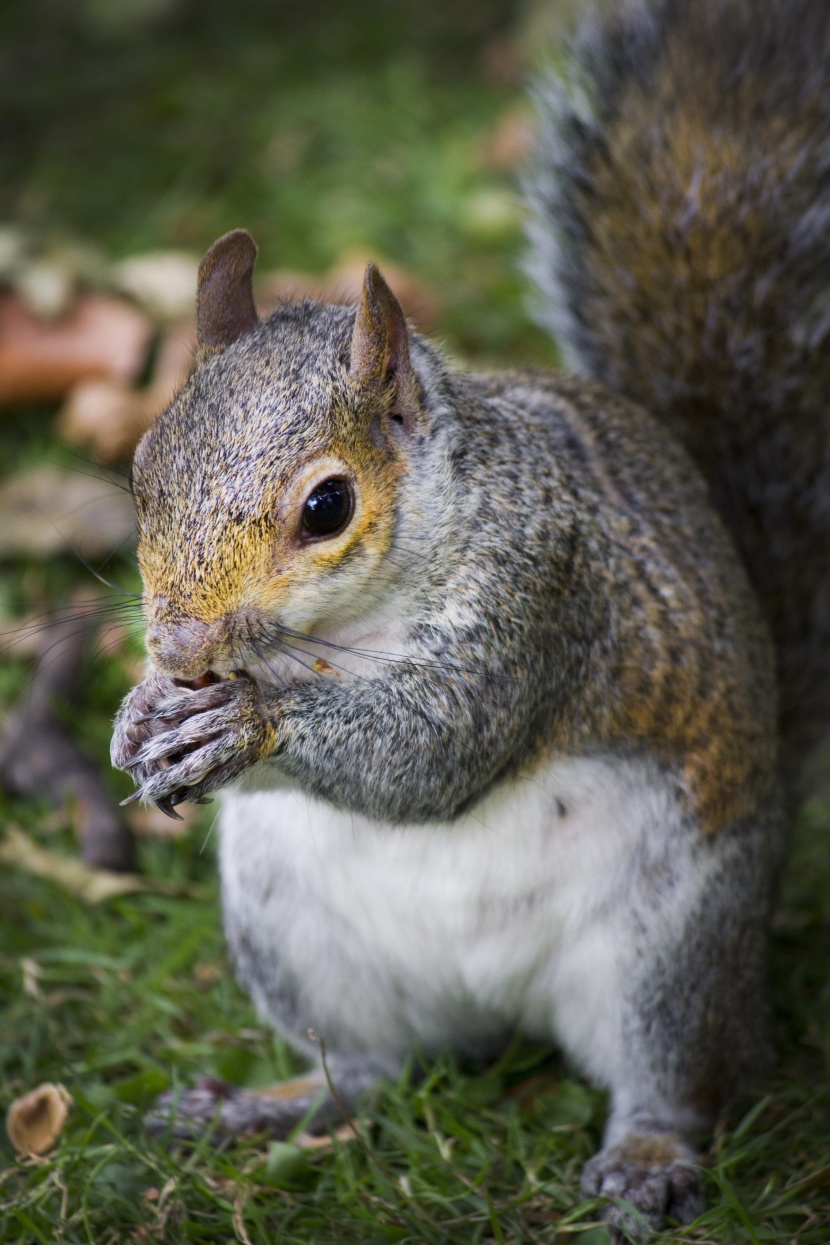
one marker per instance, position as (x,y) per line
(178,743)
(416,744)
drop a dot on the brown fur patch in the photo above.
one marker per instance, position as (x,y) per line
(692,682)
(660,1150)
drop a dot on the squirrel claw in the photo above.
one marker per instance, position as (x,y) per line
(165,806)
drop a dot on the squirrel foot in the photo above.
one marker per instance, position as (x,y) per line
(218,1111)
(655,1175)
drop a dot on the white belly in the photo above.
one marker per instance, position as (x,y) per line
(513,916)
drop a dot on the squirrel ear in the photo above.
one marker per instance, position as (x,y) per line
(225,295)
(380,346)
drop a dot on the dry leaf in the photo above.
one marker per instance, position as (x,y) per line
(100,336)
(88,884)
(50,510)
(344,1134)
(35,1121)
(108,417)
(174,360)
(238,1219)
(164,282)
(105,416)
(46,288)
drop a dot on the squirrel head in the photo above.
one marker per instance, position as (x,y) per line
(267,492)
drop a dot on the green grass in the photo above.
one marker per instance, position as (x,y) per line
(320,128)
(121,1000)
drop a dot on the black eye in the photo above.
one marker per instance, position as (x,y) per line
(328,509)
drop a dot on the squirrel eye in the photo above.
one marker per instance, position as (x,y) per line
(328,509)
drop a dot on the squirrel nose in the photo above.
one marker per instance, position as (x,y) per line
(185,648)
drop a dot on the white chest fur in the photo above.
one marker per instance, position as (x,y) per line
(517,915)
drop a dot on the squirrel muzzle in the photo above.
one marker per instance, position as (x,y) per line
(186,648)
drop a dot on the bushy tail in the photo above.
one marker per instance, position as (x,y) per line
(681,240)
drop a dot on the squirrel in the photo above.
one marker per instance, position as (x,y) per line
(479,660)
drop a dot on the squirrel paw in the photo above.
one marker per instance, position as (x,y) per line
(179,744)
(654,1174)
(219,1111)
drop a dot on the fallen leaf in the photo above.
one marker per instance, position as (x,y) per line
(163,282)
(47,273)
(47,289)
(49,510)
(99,336)
(105,416)
(85,883)
(108,418)
(342,1135)
(174,361)
(35,1121)
(238,1219)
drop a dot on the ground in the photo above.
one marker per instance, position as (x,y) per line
(325,129)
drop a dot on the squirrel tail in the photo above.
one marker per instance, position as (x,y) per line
(680,236)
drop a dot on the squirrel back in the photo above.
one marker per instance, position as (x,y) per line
(681,240)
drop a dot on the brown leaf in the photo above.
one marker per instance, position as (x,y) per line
(238,1219)
(163,282)
(342,1135)
(85,883)
(174,361)
(108,417)
(35,1121)
(50,510)
(105,416)
(100,336)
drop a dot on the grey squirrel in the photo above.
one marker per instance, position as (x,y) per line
(474,656)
